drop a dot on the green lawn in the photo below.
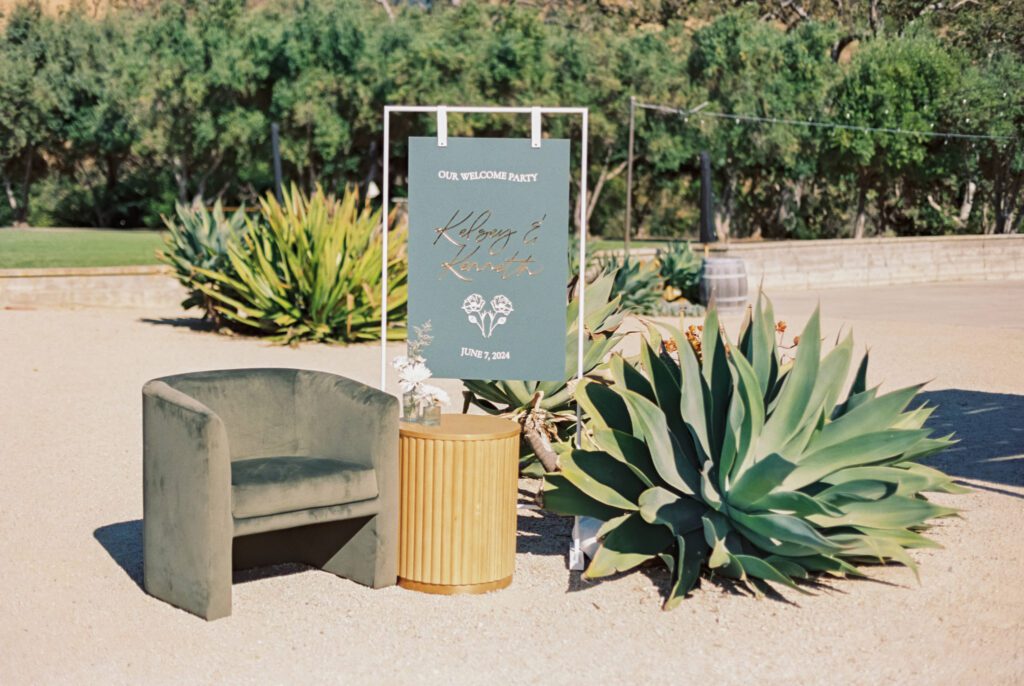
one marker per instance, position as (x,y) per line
(29,248)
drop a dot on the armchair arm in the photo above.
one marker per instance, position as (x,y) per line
(187,528)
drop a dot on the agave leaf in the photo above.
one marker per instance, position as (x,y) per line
(690,558)
(759,480)
(629,450)
(938,481)
(763,353)
(666,391)
(786,528)
(795,394)
(649,426)
(860,450)
(787,566)
(749,398)
(562,497)
(796,503)
(829,564)
(831,376)
(902,537)
(603,478)
(718,376)
(627,377)
(694,393)
(858,388)
(631,543)
(893,512)
(874,414)
(679,513)
(923,448)
(761,569)
(604,406)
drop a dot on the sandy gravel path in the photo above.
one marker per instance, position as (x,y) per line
(72,610)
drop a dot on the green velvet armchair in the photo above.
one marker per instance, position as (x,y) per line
(249,467)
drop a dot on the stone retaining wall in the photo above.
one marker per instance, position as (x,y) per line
(782,265)
(150,286)
(877,261)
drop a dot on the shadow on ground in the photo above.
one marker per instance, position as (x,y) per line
(191,323)
(990,427)
(123,542)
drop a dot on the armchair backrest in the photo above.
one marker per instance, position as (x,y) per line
(257,406)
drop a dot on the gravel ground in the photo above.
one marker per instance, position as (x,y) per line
(72,609)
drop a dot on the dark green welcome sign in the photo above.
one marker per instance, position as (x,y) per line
(488,235)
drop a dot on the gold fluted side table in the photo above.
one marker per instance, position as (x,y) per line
(458,504)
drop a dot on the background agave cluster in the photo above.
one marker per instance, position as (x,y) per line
(307,268)
(733,462)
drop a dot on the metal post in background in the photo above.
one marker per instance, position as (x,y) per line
(275,145)
(629,174)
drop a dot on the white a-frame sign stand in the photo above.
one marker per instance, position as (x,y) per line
(536,114)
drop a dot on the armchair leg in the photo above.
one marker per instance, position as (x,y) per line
(197,581)
(369,556)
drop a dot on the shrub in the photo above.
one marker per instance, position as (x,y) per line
(680,269)
(637,283)
(309,269)
(740,464)
(199,240)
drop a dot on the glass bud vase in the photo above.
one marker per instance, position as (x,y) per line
(417,412)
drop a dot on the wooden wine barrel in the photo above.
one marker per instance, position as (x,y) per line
(724,280)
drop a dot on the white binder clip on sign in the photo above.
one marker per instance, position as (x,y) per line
(442,126)
(535,127)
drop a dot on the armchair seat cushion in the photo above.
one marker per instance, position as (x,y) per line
(271,485)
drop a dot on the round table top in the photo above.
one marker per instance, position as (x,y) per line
(463,427)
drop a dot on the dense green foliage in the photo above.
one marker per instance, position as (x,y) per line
(741,464)
(307,268)
(109,121)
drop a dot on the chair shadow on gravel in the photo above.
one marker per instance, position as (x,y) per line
(191,323)
(990,428)
(123,542)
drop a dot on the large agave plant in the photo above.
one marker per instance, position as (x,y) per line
(747,467)
(546,409)
(198,240)
(309,269)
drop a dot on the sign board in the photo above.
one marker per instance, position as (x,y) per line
(488,255)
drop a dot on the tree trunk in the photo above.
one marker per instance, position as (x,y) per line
(724,210)
(181,178)
(968,203)
(12,199)
(537,440)
(21,214)
(862,213)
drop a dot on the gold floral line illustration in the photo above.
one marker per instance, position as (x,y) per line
(487,320)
